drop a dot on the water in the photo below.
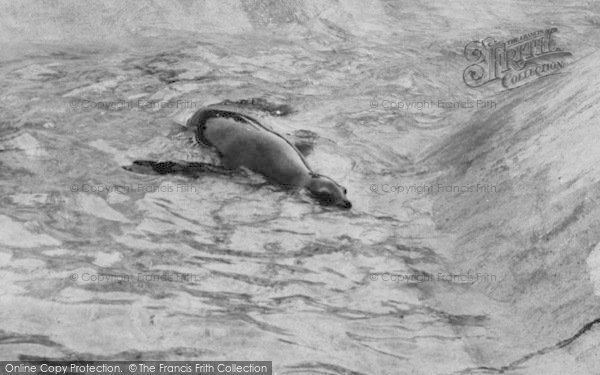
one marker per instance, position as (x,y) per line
(101,263)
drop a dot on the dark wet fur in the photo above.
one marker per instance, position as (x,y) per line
(261,105)
(199,121)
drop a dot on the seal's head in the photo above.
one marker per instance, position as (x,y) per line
(327,191)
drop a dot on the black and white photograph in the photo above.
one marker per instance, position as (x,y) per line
(309,187)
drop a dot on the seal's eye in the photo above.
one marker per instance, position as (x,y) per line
(345,191)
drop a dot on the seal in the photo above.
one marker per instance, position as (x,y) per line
(242,141)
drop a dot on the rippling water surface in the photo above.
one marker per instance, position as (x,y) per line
(101,263)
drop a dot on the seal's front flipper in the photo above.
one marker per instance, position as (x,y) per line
(304,140)
(304,147)
(192,169)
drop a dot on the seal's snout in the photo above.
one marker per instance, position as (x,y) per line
(328,192)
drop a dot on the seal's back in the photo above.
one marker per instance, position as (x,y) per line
(243,142)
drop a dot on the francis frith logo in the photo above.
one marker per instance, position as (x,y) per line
(514,62)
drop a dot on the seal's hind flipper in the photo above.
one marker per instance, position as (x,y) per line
(192,169)
(304,140)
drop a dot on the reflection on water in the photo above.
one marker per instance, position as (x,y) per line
(109,263)
(98,262)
